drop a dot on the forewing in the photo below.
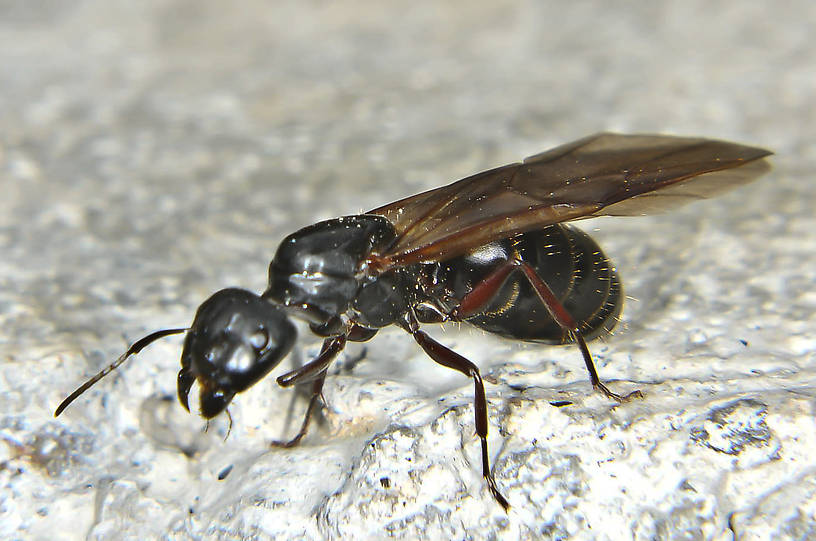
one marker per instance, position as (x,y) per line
(604,174)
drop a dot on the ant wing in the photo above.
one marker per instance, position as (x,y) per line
(604,174)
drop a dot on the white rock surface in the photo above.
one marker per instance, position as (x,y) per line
(154,152)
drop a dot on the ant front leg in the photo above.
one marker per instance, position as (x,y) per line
(449,358)
(314,371)
(484,291)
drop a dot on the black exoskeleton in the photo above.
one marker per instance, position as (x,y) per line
(492,250)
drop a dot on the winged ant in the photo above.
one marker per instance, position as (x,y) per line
(493,250)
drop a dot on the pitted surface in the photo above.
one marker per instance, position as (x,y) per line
(154,152)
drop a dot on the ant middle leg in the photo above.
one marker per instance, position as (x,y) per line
(449,358)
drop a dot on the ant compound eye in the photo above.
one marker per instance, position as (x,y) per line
(259,339)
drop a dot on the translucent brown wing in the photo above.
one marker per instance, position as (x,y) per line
(604,174)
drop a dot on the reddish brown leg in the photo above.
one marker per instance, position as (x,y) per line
(484,291)
(451,359)
(314,371)
(309,371)
(317,393)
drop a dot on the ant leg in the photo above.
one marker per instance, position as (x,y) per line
(565,320)
(451,359)
(309,371)
(314,371)
(317,393)
(481,294)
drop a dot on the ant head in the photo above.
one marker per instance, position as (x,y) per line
(235,340)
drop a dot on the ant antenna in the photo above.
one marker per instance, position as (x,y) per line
(132,350)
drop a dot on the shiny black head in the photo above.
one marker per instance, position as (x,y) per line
(235,340)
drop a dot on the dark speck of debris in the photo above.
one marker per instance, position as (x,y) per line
(561,403)
(385,482)
(223,473)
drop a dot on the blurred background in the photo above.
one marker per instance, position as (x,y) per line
(154,152)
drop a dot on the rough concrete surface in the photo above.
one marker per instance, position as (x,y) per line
(153,152)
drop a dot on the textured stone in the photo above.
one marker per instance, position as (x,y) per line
(154,152)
